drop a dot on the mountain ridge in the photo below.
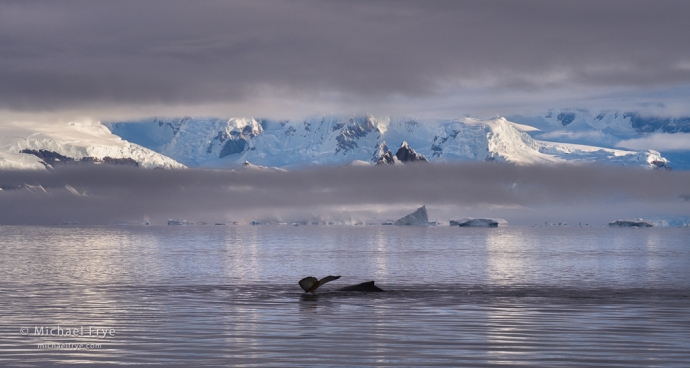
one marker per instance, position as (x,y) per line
(219,143)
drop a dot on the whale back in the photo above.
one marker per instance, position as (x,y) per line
(365,286)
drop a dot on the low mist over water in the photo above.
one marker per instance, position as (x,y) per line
(522,195)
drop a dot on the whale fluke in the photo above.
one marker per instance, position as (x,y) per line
(310,284)
(365,286)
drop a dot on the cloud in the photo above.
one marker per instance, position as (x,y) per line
(659,142)
(519,194)
(565,135)
(398,56)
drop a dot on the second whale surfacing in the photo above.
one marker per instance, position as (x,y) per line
(310,284)
(365,286)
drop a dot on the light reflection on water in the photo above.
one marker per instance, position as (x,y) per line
(229,295)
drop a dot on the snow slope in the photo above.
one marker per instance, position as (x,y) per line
(89,140)
(214,142)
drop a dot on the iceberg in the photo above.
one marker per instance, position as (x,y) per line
(416,218)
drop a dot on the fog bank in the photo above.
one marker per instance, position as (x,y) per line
(522,195)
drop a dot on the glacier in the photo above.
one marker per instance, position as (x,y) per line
(607,128)
(341,140)
(36,146)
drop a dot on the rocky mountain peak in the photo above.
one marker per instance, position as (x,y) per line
(407,154)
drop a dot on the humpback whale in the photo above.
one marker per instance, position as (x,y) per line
(310,284)
(365,286)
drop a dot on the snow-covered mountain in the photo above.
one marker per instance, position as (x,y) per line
(613,129)
(214,142)
(605,128)
(40,145)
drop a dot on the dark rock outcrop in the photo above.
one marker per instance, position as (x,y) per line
(661,165)
(233,146)
(566,118)
(352,132)
(49,157)
(111,161)
(650,124)
(386,159)
(55,159)
(382,155)
(407,154)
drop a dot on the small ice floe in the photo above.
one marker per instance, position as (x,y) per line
(631,223)
(172,222)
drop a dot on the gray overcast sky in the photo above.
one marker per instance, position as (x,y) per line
(295,58)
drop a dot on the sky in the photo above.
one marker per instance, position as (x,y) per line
(529,195)
(105,60)
(444,59)
(659,142)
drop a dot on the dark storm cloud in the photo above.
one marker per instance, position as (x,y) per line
(112,194)
(69,54)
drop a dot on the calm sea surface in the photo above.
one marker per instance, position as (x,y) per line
(228,296)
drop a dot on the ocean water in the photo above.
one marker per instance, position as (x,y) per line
(228,296)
